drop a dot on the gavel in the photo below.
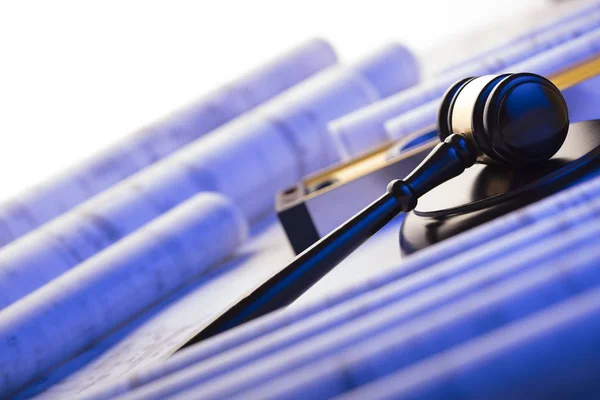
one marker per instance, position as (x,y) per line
(515,119)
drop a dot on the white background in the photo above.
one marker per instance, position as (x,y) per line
(75,75)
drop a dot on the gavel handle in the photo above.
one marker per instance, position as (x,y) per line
(306,269)
(447,160)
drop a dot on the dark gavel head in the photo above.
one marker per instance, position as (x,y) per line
(514,119)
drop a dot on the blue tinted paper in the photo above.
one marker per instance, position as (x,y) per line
(583,99)
(409,300)
(381,69)
(385,321)
(288,327)
(61,319)
(531,35)
(395,347)
(248,160)
(551,355)
(547,63)
(45,201)
(364,129)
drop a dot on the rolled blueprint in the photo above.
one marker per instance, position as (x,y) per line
(550,355)
(285,328)
(248,160)
(530,35)
(61,319)
(547,63)
(583,99)
(47,200)
(364,129)
(407,300)
(394,343)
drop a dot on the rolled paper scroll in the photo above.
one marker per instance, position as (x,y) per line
(530,35)
(50,199)
(559,346)
(409,300)
(583,99)
(61,319)
(547,63)
(384,342)
(412,121)
(284,328)
(248,160)
(364,129)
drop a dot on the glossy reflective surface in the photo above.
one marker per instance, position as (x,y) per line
(483,181)
(526,119)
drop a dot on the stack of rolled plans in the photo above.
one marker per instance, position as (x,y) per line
(248,160)
(155,230)
(523,276)
(46,201)
(556,345)
(59,320)
(530,35)
(547,63)
(569,42)
(87,252)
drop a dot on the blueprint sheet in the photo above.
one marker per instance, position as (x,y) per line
(152,336)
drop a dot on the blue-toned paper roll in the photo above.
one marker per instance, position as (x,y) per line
(248,160)
(364,129)
(61,319)
(412,121)
(291,348)
(549,27)
(46,201)
(288,327)
(551,355)
(547,63)
(544,282)
(381,69)
(388,317)
(583,99)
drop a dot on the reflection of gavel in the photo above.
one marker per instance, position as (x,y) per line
(514,119)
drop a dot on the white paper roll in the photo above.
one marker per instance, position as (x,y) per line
(284,328)
(558,345)
(59,320)
(531,35)
(388,340)
(547,63)
(248,160)
(364,129)
(47,200)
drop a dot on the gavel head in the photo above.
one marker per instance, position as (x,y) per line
(513,119)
